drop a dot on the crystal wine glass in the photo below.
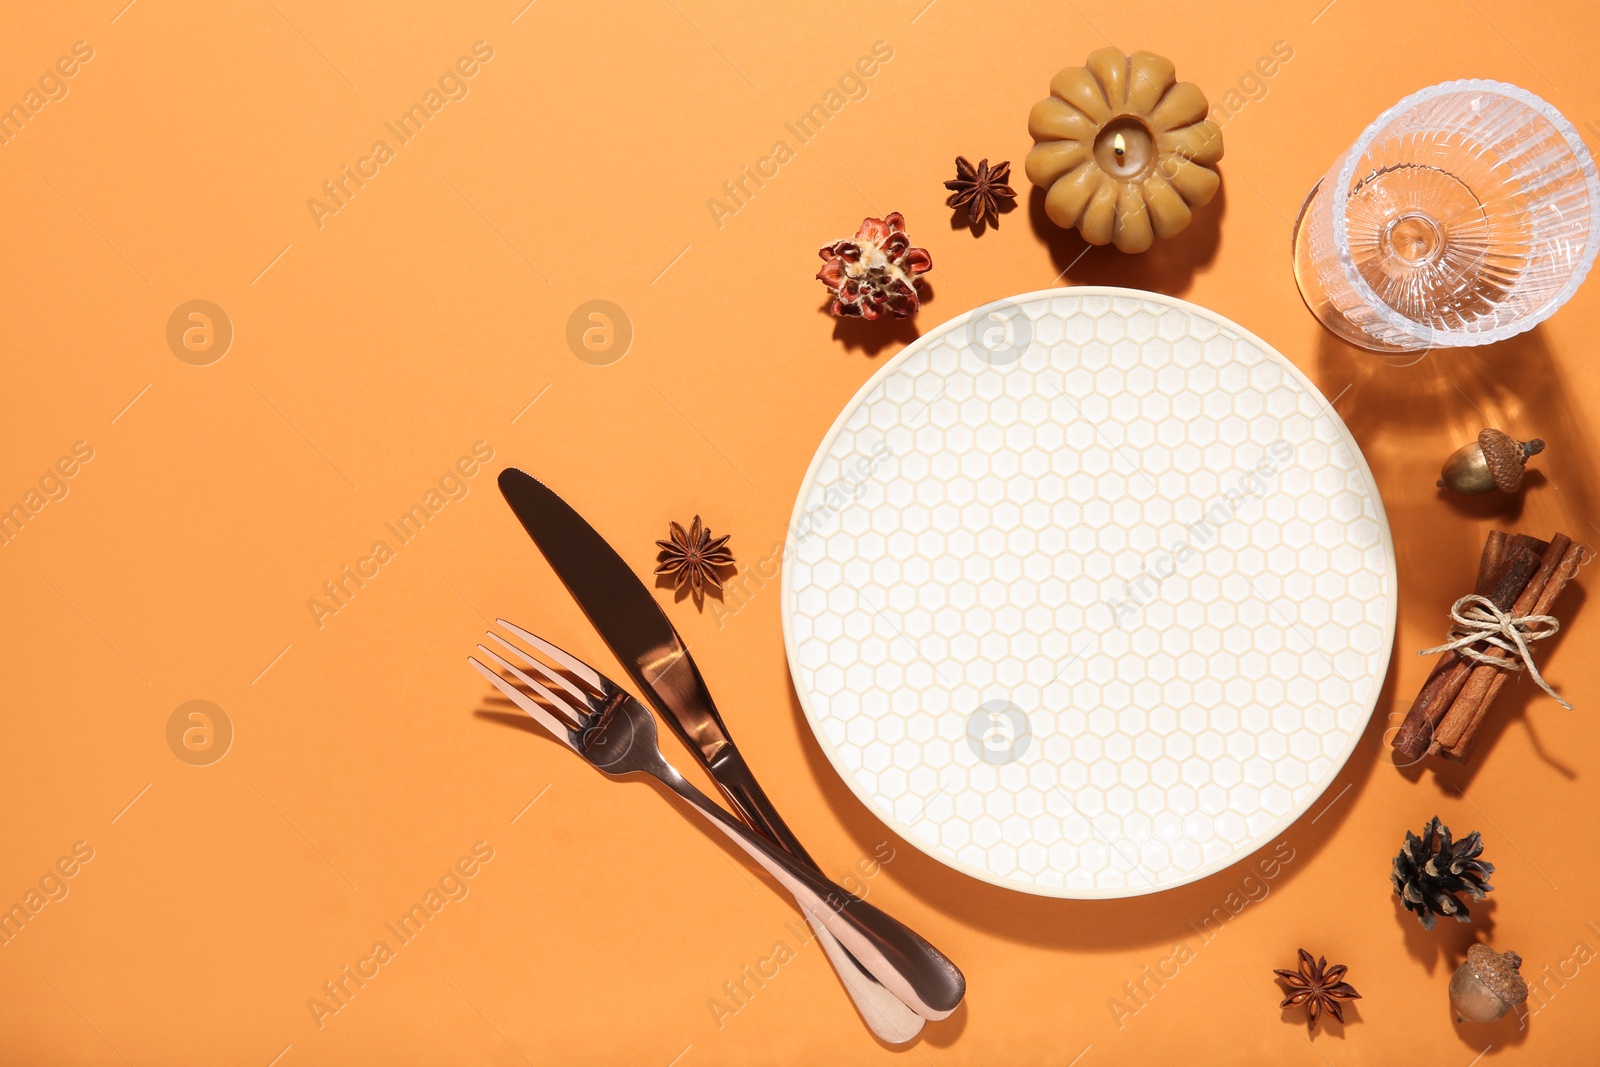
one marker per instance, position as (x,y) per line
(1465,214)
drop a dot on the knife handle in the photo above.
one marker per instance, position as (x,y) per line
(908,966)
(885,1014)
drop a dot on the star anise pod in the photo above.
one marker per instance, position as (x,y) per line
(980,190)
(1318,987)
(692,557)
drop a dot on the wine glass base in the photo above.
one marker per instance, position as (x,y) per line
(1316,297)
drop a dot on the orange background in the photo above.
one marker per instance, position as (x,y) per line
(431,309)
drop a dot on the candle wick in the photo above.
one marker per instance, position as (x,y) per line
(1118,145)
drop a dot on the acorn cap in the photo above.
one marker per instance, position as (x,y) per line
(1506,456)
(1498,971)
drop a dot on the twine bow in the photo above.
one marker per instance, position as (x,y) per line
(1479,622)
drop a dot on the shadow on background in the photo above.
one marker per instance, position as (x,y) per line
(960,220)
(1167,267)
(500,711)
(1154,920)
(874,335)
(1408,412)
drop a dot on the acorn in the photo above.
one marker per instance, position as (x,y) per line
(1494,461)
(1487,985)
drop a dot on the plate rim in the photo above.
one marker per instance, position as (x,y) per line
(889,820)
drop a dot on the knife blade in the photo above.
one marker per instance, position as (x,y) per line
(640,635)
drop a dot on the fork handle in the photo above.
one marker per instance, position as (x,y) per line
(910,968)
(885,1014)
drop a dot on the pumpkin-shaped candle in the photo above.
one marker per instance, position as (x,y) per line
(1123,149)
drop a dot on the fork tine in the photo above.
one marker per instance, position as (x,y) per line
(552,725)
(545,674)
(566,659)
(544,671)
(560,708)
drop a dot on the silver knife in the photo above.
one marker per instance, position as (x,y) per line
(632,623)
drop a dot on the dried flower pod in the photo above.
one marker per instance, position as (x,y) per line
(1494,461)
(1487,985)
(875,272)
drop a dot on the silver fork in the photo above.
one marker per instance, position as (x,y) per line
(610,729)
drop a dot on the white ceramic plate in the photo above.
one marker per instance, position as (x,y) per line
(1088,593)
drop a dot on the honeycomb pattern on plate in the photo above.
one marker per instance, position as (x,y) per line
(1088,593)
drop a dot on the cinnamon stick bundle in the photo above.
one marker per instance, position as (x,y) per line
(1453,738)
(1518,574)
(1507,564)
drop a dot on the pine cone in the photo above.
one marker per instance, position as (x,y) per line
(1430,870)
